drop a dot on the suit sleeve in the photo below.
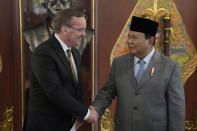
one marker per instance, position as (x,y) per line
(176,101)
(45,71)
(107,94)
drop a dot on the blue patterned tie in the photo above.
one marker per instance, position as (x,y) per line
(140,71)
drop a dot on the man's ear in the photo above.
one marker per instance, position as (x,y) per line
(151,40)
(64,29)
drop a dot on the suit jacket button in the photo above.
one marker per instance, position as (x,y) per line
(136,93)
(135,108)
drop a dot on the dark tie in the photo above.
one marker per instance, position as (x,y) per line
(140,71)
(71,65)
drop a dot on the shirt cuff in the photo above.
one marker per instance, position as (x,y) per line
(87,115)
(73,127)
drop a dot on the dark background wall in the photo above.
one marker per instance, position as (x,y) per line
(10,51)
(111,20)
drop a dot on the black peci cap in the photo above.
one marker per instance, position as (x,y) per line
(144,25)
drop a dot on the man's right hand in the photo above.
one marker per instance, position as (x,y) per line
(93,117)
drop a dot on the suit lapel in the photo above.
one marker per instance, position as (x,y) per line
(154,63)
(61,54)
(131,70)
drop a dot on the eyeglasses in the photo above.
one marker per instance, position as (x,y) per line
(80,30)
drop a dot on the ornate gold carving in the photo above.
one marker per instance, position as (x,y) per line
(167,17)
(167,29)
(1,64)
(155,12)
(107,124)
(8,119)
(191,125)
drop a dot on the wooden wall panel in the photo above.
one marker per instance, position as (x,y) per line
(111,19)
(10,77)
(6,52)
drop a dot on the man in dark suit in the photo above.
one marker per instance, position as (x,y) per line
(56,94)
(148,85)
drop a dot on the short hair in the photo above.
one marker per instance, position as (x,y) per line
(148,36)
(64,18)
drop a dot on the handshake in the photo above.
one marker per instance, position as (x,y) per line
(91,118)
(93,115)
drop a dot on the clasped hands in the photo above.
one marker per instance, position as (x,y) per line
(92,118)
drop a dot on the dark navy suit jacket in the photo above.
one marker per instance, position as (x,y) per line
(54,97)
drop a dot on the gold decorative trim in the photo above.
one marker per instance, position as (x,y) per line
(166,41)
(21,55)
(167,29)
(27,84)
(107,123)
(191,125)
(1,64)
(8,120)
(93,52)
(154,13)
(93,55)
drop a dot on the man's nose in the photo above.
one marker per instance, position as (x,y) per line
(129,40)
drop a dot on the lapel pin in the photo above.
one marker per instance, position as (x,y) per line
(152,71)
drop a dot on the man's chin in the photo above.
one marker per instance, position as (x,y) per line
(132,52)
(77,44)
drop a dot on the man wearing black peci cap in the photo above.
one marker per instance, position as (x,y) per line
(148,86)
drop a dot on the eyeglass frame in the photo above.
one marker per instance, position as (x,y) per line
(80,30)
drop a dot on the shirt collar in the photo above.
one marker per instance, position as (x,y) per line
(147,58)
(64,46)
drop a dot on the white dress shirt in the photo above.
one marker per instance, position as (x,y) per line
(146,59)
(65,48)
